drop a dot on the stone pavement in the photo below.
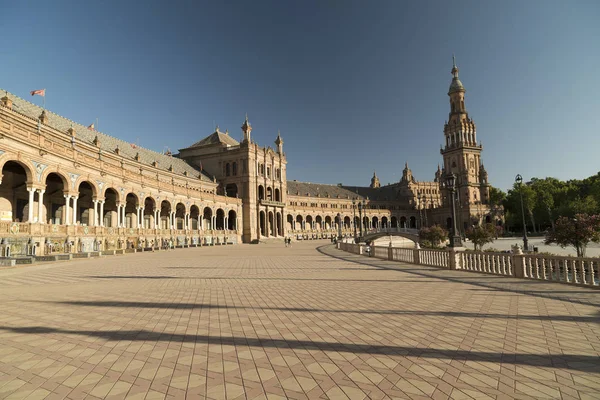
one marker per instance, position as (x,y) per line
(265,321)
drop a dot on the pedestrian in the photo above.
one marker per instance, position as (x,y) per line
(286,241)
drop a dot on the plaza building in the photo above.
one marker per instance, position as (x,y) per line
(67,188)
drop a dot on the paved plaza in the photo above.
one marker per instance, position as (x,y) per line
(307,322)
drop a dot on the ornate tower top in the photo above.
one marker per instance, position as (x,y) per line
(375,181)
(246,128)
(407,175)
(456,85)
(279,143)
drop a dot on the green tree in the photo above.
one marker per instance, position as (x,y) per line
(481,235)
(433,236)
(577,232)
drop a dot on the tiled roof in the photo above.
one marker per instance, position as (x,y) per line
(216,137)
(296,188)
(107,143)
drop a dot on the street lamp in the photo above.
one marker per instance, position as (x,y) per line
(339,217)
(455,240)
(354,217)
(425,209)
(419,208)
(519,182)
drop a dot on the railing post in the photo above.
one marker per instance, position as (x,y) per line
(417,254)
(454,259)
(390,252)
(518,262)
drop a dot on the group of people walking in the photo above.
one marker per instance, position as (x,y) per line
(288,241)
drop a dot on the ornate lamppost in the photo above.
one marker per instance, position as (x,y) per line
(425,209)
(419,208)
(455,240)
(354,217)
(339,217)
(519,182)
(361,206)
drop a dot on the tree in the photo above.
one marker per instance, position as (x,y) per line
(577,232)
(433,236)
(481,234)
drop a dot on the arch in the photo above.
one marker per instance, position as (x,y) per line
(131,204)
(375,222)
(27,166)
(278,224)
(232,219)
(271,225)
(111,199)
(299,222)
(94,185)
(403,222)
(277,195)
(227,169)
(347,223)
(149,212)
(231,190)
(180,211)
(309,222)
(234,169)
(394,222)
(194,215)
(262,223)
(52,171)
(384,222)
(290,222)
(165,214)
(14,197)
(261,192)
(84,214)
(319,222)
(328,222)
(269,193)
(207,218)
(220,219)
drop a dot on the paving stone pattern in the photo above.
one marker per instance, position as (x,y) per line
(307,322)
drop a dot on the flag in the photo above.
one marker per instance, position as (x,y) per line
(39,92)
(133,146)
(91,126)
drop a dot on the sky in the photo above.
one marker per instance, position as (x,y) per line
(353,86)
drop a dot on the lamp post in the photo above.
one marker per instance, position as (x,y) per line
(519,182)
(419,208)
(354,217)
(455,240)
(360,220)
(425,209)
(339,217)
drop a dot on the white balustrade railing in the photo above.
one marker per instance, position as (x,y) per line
(571,270)
(489,263)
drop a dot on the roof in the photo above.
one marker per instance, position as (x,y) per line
(342,192)
(456,86)
(216,137)
(107,143)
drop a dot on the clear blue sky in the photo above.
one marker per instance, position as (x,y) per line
(354,86)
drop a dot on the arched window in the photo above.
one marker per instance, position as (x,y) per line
(227,170)
(234,169)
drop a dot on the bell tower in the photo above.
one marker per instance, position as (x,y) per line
(462,153)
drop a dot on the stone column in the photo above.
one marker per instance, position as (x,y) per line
(30,206)
(41,205)
(75,210)
(137,217)
(142,219)
(124,217)
(101,214)
(94,220)
(67,207)
(118,215)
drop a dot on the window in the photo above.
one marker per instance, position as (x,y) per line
(234,169)
(268,172)
(227,169)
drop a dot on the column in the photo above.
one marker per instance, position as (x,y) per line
(155,220)
(142,223)
(40,205)
(75,210)
(101,214)
(173,226)
(137,217)
(95,219)
(124,217)
(118,215)
(67,207)
(30,206)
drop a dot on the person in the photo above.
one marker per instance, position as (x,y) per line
(286,241)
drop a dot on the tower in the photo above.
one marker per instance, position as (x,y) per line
(279,143)
(461,153)
(407,176)
(375,181)
(246,128)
